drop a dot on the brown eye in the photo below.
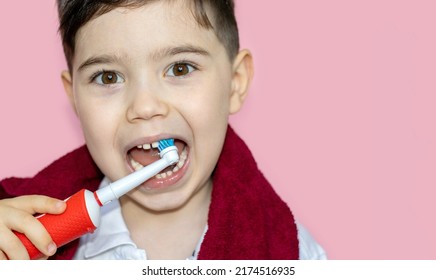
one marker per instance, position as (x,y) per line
(180,69)
(108,78)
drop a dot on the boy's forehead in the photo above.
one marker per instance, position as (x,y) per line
(141,29)
(158,12)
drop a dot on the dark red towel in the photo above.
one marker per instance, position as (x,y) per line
(247,219)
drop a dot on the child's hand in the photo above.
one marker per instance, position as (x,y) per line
(17,214)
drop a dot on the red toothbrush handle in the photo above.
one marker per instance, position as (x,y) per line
(74,222)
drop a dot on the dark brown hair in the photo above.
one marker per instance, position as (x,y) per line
(73,14)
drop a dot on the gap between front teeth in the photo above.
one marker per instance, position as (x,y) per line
(148,146)
(182,158)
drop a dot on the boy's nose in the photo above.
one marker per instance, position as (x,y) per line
(145,105)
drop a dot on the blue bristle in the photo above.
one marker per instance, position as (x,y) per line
(165,143)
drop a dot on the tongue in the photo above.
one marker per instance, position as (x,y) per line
(144,157)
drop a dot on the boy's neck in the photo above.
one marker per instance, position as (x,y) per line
(170,234)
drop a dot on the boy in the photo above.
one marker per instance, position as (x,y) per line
(141,71)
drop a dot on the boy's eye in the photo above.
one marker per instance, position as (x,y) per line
(180,69)
(108,77)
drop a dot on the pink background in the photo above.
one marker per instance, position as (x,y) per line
(341,116)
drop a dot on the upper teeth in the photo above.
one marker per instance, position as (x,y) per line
(148,146)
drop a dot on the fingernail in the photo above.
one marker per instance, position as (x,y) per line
(60,204)
(51,248)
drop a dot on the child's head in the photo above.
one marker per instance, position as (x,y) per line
(141,71)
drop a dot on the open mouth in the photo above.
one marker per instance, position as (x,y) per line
(147,153)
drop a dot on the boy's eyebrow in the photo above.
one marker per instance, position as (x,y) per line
(101,59)
(156,55)
(171,51)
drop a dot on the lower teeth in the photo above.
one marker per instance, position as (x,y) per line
(183,156)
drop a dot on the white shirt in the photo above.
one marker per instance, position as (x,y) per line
(112,241)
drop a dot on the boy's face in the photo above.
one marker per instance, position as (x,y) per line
(141,75)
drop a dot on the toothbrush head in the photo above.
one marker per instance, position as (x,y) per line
(165,143)
(168,151)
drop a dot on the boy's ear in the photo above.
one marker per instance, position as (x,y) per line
(68,87)
(242,76)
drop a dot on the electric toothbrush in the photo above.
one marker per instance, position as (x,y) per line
(82,214)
